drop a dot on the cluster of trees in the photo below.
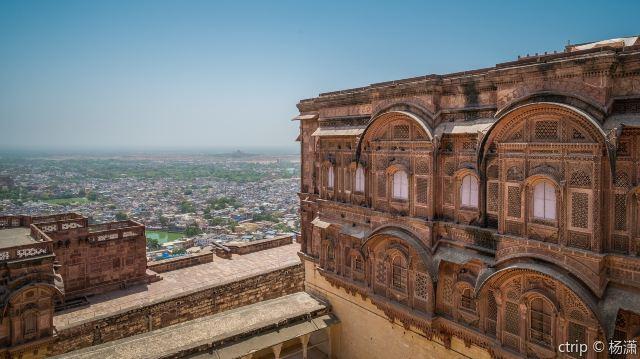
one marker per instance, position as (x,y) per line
(281,227)
(221,221)
(266,216)
(153,244)
(187,207)
(222,203)
(121,216)
(20,194)
(192,230)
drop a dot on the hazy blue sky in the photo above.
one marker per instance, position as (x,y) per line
(183,74)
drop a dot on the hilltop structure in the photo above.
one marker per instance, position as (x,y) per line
(491,212)
(77,290)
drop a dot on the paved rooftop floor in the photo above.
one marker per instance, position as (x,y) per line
(181,281)
(176,338)
(18,236)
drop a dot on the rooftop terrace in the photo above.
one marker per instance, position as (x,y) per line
(13,237)
(181,282)
(300,308)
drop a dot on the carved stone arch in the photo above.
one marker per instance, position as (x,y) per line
(582,294)
(576,271)
(583,103)
(566,278)
(514,114)
(531,294)
(412,243)
(403,233)
(394,250)
(421,112)
(545,176)
(395,166)
(54,291)
(462,172)
(380,119)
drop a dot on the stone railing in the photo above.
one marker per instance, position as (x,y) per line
(53,218)
(113,225)
(61,225)
(259,245)
(11,221)
(122,230)
(36,249)
(167,265)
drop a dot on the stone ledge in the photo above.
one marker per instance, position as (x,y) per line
(213,331)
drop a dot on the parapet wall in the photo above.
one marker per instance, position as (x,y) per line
(259,245)
(179,309)
(167,265)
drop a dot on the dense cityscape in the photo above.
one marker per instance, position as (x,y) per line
(202,198)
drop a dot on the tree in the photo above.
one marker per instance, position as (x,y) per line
(179,251)
(192,230)
(121,216)
(153,244)
(187,207)
(82,192)
(92,196)
(164,221)
(281,227)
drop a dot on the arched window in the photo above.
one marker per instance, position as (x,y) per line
(544,201)
(540,314)
(30,323)
(466,300)
(400,185)
(359,179)
(358,264)
(330,177)
(330,254)
(398,273)
(469,192)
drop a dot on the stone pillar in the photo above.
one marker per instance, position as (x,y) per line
(304,340)
(329,342)
(498,296)
(523,327)
(276,350)
(592,334)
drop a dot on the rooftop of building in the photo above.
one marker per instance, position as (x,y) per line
(577,51)
(616,43)
(181,282)
(292,315)
(14,237)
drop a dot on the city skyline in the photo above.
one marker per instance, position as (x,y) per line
(165,76)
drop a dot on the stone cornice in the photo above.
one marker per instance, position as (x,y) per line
(602,62)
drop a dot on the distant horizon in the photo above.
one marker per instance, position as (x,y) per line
(256,150)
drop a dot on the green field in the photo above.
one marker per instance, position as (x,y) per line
(67,201)
(163,236)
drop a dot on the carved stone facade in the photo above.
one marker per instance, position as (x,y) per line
(48,260)
(497,206)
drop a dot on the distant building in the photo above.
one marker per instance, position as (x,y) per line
(6,182)
(486,213)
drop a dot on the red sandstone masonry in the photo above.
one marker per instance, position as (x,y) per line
(259,245)
(179,309)
(225,251)
(168,265)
